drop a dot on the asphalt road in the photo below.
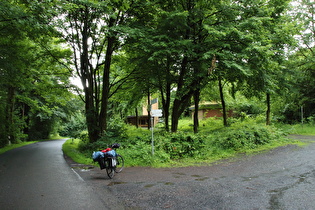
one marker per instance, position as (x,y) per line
(283,178)
(38,177)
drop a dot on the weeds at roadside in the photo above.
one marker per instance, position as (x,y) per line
(13,146)
(214,142)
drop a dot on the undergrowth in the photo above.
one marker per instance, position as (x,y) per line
(212,143)
(300,129)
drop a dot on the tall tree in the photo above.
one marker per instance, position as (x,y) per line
(173,45)
(26,64)
(94,30)
(268,54)
(252,47)
(302,64)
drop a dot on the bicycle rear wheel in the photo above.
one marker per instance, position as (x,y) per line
(109,169)
(119,164)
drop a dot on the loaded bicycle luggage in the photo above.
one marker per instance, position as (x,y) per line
(109,159)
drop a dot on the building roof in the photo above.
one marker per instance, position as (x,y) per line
(207,105)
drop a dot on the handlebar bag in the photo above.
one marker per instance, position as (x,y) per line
(111,153)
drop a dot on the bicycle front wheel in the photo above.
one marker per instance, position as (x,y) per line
(119,164)
(109,169)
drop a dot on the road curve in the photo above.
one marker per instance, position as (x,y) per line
(283,178)
(37,176)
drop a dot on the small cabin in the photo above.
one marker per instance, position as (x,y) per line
(210,109)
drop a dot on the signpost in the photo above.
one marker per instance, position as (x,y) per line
(154,113)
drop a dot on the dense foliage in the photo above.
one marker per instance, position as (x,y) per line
(33,83)
(255,57)
(213,142)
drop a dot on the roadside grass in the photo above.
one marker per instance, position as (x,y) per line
(300,129)
(21,144)
(13,146)
(220,154)
(136,150)
(70,148)
(55,137)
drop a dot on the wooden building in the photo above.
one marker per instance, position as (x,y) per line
(210,109)
(143,117)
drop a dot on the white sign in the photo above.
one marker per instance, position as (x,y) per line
(156,113)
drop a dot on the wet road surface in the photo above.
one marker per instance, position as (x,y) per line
(283,178)
(38,177)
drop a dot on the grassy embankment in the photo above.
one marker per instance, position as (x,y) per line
(210,133)
(21,144)
(217,143)
(13,146)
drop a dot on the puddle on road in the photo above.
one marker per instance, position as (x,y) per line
(202,179)
(82,167)
(276,195)
(178,175)
(247,179)
(165,183)
(140,183)
(116,183)
(168,183)
(149,185)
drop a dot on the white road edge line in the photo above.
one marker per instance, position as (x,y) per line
(77,175)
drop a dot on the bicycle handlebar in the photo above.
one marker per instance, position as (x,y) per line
(115,145)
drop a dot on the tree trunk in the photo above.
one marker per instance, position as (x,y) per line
(179,106)
(91,119)
(196,100)
(9,115)
(106,85)
(179,97)
(88,82)
(137,118)
(223,102)
(25,115)
(166,101)
(268,109)
(175,115)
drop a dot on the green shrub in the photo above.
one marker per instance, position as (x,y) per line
(213,142)
(180,145)
(311,120)
(248,109)
(74,126)
(248,137)
(87,147)
(140,154)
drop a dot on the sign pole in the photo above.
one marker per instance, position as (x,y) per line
(154,113)
(152,142)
